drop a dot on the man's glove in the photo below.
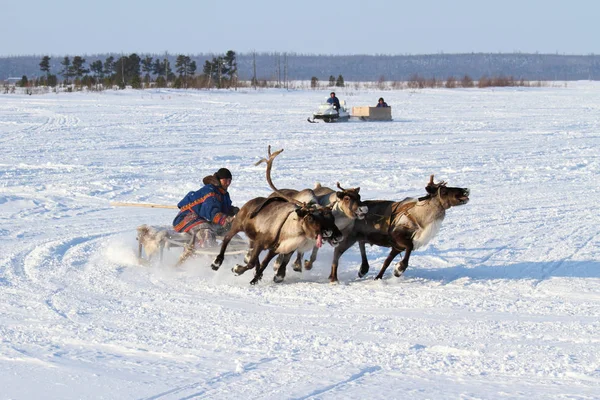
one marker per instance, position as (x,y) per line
(234,210)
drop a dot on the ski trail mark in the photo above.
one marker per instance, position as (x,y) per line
(355,377)
(209,382)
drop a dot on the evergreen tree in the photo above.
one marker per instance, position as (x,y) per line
(191,68)
(133,63)
(340,81)
(231,65)
(215,70)
(66,71)
(331,80)
(161,82)
(109,66)
(52,81)
(158,68)
(45,65)
(147,67)
(181,64)
(169,75)
(222,70)
(97,68)
(76,68)
(127,71)
(185,67)
(314,82)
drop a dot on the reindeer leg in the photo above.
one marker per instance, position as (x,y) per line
(393,253)
(280,275)
(259,271)
(278,262)
(249,252)
(337,253)
(253,255)
(298,263)
(403,264)
(226,239)
(308,264)
(364,266)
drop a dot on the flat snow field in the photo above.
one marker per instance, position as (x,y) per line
(503,304)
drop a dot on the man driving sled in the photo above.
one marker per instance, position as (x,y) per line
(206,213)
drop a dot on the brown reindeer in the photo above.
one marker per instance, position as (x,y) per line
(346,208)
(280,225)
(403,226)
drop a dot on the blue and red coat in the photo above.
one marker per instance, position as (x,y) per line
(209,204)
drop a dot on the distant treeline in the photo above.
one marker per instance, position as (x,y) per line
(364,68)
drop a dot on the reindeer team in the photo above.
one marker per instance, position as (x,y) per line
(296,221)
(292,221)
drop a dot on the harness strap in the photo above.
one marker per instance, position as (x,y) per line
(276,243)
(399,210)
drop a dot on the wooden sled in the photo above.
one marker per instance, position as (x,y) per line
(153,240)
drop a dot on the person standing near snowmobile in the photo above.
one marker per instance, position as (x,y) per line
(207,212)
(334,101)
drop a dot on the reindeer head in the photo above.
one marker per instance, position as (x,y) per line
(350,202)
(319,223)
(448,196)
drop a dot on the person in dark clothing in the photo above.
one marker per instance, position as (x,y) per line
(381,103)
(334,101)
(207,212)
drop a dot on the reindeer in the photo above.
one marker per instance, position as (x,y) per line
(280,225)
(404,226)
(346,207)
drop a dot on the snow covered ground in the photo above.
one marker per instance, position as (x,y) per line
(504,303)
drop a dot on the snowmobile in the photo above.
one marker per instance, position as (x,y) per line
(328,113)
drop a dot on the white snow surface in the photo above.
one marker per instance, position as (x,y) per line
(504,303)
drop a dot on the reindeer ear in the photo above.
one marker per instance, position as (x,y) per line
(358,189)
(431,187)
(340,195)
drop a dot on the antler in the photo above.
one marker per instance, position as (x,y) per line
(341,188)
(440,183)
(269,165)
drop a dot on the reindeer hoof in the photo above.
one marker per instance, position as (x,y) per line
(363,271)
(239,269)
(307,265)
(255,280)
(398,272)
(277,279)
(297,268)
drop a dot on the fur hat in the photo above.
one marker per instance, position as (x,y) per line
(223,173)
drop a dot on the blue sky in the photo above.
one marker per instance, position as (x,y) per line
(67,27)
